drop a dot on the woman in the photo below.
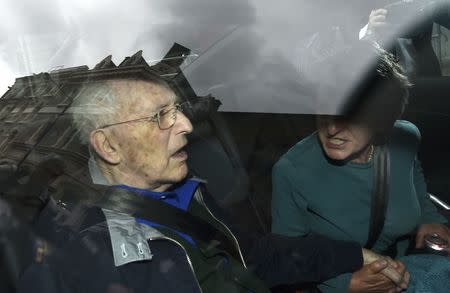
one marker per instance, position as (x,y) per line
(324,183)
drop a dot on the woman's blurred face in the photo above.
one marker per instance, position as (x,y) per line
(343,140)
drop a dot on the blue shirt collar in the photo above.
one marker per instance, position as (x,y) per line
(180,196)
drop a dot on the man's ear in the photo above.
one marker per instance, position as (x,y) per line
(104,146)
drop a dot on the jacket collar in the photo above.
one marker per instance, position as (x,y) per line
(129,238)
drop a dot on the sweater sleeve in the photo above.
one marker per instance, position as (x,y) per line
(289,208)
(309,258)
(336,285)
(428,209)
(40,278)
(286,260)
(283,260)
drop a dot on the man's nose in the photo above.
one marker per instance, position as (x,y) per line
(184,124)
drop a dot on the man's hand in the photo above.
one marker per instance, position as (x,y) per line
(435,228)
(370,279)
(394,268)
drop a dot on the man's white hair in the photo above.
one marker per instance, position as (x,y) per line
(99,103)
(95,105)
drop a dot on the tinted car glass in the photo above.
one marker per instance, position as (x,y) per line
(259,72)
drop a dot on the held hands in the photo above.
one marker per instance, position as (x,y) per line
(394,270)
(435,228)
(380,274)
(371,279)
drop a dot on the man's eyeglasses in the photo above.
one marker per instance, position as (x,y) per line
(166,117)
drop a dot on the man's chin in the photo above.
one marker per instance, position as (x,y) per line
(178,172)
(183,171)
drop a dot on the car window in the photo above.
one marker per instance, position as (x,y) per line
(258,72)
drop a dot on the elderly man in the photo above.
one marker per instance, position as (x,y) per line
(136,132)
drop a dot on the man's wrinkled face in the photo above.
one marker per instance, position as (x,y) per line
(150,157)
(342,140)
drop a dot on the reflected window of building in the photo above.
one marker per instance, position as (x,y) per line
(75,145)
(16,110)
(27,131)
(29,109)
(37,133)
(42,90)
(51,109)
(58,134)
(6,110)
(17,114)
(7,138)
(51,90)
(3,140)
(68,93)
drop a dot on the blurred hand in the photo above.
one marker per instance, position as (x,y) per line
(435,228)
(369,256)
(370,279)
(377,22)
(395,270)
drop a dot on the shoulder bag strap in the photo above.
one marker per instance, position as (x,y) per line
(380,194)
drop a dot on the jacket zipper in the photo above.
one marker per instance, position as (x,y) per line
(225,226)
(185,252)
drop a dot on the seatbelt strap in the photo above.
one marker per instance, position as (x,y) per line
(136,205)
(380,194)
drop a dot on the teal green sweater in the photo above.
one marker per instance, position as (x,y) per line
(310,194)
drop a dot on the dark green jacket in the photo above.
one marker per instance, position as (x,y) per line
(96,250)
(217,270)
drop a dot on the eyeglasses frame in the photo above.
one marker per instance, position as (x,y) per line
(154,117)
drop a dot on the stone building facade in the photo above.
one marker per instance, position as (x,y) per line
(35,112)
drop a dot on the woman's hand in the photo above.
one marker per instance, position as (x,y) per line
(434,228)
(371,279)
(377,23)
(395,270)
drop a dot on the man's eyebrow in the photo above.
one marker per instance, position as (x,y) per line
(167,104)
(171,100)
